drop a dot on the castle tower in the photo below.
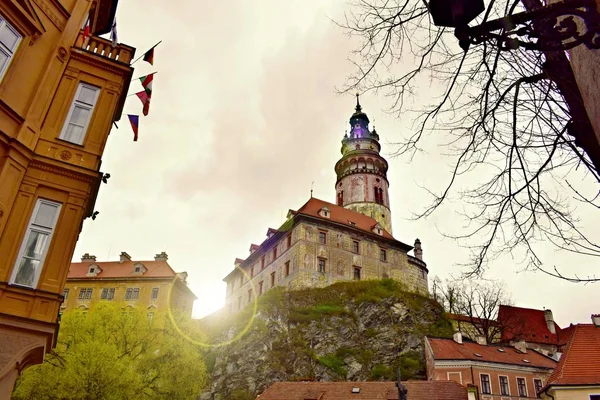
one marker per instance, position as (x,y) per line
(362,184)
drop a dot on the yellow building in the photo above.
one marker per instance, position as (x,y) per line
(577,376)
(60,92)
(149,284)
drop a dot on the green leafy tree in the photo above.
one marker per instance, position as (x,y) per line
(108,353)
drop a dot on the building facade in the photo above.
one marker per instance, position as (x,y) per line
(152,284)
(322,243)
(60,91)
(577,376)
(499,372)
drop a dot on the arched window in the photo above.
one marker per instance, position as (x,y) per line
(340,198)
(380,196)
(376,195)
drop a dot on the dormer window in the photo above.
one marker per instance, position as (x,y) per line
(378,229)
(93,270)
(325,212)
(139,269)
(352,223)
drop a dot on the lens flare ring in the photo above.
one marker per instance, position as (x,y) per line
(222,343)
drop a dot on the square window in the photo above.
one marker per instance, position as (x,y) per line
(321,265)
(274,253)
(79,115)
(260,288)
(357,273)
(136,293)
(287,269)
(504,389)
(382,254)
(355,247)
(81,294)
(128,293)
(154,293)
(65,293)
(485,384)
(104,294)
(262,264)
(289,241)
(252,271)
(88,293)
(9,42)
(322,237)
(537,383)
(522,387)
(272,279)
(35,244)
(111,294)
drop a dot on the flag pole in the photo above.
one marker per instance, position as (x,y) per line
(134,61)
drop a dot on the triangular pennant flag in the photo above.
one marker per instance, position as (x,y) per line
(145,98)
(147,83)
(135,123)
(113,32)
(149,56)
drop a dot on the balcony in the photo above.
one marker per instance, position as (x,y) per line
(104,48)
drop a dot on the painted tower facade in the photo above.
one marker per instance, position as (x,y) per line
(362,184)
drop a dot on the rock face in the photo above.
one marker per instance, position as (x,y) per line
(348,331)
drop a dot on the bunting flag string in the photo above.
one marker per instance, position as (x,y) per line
(145,99)
(148,55)
(147,82)
(134,120)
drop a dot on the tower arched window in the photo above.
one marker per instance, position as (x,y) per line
(380,196)
(340,198)
(376,195)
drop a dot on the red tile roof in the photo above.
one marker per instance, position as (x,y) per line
(341,215)
(526,324)
(416,390)
(580,362)
(448,349)
(116,269)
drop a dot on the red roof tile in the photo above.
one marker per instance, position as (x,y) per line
(116,269)
(416,390)
(526,324)
(580,362)
(341,215)
(448,349)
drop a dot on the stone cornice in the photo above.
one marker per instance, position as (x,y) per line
(490,366)
(81,176)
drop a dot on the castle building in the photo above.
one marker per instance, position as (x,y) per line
(322,243)
(151,284)
(61,89)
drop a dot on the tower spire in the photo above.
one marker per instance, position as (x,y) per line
(362,184)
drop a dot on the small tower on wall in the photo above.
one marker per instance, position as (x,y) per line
(362,184)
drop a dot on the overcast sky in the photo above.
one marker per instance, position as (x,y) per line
(244,116)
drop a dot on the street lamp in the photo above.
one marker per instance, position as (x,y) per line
(549,28)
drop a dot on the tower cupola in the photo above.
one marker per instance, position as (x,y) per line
(362,184)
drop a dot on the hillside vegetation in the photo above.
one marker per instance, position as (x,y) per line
(347,331)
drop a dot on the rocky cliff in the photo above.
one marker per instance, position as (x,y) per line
(347,331)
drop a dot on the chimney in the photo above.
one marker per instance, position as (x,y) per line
(124,257)
(480,339)
(596,320)
(161,257)
(549,321)
(88,258)
(521,346)
(418,250)
(457,337)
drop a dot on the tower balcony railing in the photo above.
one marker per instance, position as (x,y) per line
(104,48)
